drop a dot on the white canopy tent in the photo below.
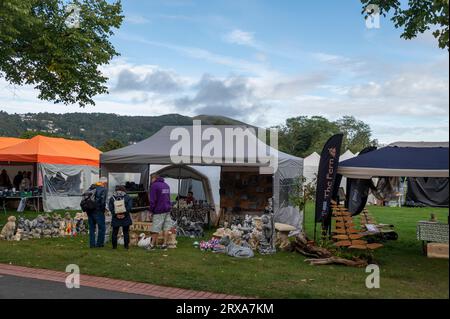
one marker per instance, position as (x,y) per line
(311,167)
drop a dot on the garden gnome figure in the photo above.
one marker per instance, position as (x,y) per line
(267,242)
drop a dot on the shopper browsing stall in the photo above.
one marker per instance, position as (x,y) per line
(120,205)
(4,180)
(18,179)
(97,216)
(25,183)
(160,208)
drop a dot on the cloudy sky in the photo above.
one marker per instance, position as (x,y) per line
(262,61)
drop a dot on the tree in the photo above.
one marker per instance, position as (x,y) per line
(418,17)
(110,145)
(31,134)
(61,60)
(302,135)
(357,134)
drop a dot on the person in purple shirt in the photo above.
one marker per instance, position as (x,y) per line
(160,207)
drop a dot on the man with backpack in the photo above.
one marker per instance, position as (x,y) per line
(94,204)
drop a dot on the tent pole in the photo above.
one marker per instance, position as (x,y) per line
(304,209)
(179,185)
(304,217)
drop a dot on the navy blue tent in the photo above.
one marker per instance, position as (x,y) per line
(401,159)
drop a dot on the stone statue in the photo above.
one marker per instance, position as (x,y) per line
(267,241)
(233,250)
(248,221)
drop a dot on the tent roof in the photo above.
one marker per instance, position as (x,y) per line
(312,160)
(347,155)
(182,172)
(401,159)
(420,144)
(50,150)
(9,141)
(157,149)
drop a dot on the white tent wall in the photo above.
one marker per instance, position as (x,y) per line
(194,186)
(311,167)
(285,178)
(66,193)
(112,171)
(212,173)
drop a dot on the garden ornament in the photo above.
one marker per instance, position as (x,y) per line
(144,242)
(267,242)
(8,230)
(233,250)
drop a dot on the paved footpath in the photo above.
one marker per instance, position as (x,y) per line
(121,286)
(12,287)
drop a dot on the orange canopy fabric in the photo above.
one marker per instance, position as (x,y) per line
(9,141)
(50,150)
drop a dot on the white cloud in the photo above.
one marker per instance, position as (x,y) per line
(240,37)
(136,19)
(409,103)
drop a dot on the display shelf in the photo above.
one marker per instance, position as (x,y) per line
(245,191)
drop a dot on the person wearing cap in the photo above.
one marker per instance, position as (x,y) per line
(160,207)
(97,218)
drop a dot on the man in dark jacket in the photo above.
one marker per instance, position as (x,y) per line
(121,219)
(160,208)
(18,179)
(4,180)
(97,217)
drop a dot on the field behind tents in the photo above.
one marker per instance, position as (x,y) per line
(405,272)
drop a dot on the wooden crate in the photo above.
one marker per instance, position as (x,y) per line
(437,250)
(141,227)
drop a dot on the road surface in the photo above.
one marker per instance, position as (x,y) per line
(12,287)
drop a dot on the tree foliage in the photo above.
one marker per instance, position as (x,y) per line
(31,134)
(357,134)
(38,47)
(111,144)
(94,128)
(417,17)
(304,135)
(303,192)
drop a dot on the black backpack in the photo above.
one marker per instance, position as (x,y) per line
(88,203)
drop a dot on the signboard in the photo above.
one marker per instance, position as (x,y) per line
(326,177)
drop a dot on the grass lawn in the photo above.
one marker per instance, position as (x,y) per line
(405,272)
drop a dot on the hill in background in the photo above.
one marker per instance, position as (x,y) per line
(97,128)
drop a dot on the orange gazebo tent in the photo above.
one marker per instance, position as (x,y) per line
(9,141)
(50,150)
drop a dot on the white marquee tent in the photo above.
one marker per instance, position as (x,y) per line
(311,166)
